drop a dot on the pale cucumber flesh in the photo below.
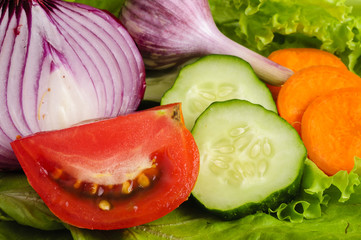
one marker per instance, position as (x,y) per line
(216,78)
(251,159)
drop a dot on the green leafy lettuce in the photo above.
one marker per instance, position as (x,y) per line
(317,190)
(19,202)
(268,25)
(327,207)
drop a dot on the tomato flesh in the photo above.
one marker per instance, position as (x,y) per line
(115,173)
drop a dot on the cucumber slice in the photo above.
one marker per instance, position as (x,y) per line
(250,159)
(216,78)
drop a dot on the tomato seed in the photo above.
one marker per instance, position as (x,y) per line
(104,205)
(77,184)
(152,173)
(143,180)
(93,188)
(127,187)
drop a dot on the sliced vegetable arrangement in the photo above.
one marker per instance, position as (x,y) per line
(308,84)
(299,58)
(324,131)
(243,156)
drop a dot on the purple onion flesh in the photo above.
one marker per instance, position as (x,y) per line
(62,63)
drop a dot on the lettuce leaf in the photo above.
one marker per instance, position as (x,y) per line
(338,221)
(327,207)
(268,25)
(19,202)
(12,230)
(317,189)
(356,6)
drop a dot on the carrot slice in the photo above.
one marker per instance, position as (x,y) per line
(331,130)
(299,58)
(306,85)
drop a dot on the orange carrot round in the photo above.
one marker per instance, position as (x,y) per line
(299,58)
(306,85)
(331,130)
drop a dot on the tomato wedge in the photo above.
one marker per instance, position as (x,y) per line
(114,173)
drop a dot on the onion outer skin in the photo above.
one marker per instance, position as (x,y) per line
(169,32)
(65,63)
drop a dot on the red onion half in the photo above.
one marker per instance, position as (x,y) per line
(169,32)
(62,63)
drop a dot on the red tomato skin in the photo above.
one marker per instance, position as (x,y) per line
(92,145)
